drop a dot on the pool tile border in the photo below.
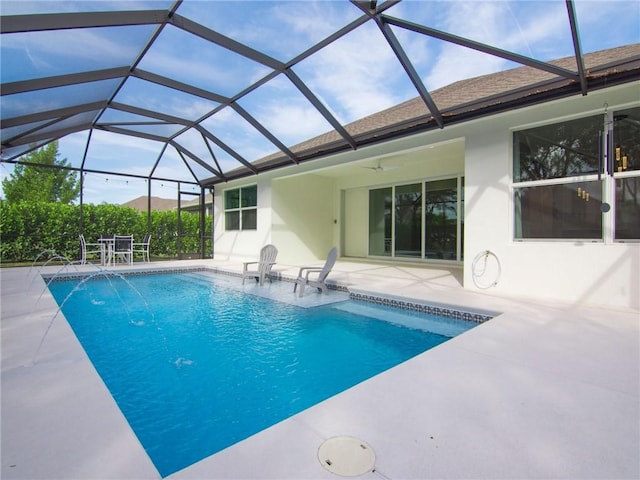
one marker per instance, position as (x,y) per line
(57,277)
(421,307)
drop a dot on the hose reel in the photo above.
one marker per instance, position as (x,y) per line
(486,270)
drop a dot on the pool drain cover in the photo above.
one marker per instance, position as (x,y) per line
(346,456)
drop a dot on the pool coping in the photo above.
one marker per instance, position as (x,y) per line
(522,395)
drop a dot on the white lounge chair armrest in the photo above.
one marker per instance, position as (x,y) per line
(302,269)
(246,265)
(309,270)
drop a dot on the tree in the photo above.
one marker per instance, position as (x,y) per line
(53,182)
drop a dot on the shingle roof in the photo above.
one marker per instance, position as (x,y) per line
(472,98)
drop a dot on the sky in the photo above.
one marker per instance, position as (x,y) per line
(354,77)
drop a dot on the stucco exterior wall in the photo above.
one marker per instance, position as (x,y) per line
(297,214)
(355,222)
(229,245)
(304,218)
(573,271)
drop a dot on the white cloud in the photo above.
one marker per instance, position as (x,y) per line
(295,121)
(498,24)
(147,95)
(543,34)
(281,29)
(194,61)
(302,17)
(238,134)
(357,75)
(105,143)
(79,47)
(606,24)
(284,111)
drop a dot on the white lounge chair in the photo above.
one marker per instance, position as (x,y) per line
(318,274)
(89,249)
(268,255)
(142,248)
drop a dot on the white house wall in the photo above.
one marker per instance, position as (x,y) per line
(304,217)
(355,222)
(574,271)
(229,245)
(297,214)
(300,207)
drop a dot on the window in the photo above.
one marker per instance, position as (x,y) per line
(626,171)
(567,175)
(628,208)
(419,220)
(240,208)
(559,211)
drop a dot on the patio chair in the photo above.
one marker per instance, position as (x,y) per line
(142,248)
(318,274)
(123,249)
(89,249)
(268,255)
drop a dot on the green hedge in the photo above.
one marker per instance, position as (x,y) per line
(28,228)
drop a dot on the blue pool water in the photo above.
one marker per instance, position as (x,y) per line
(196,367)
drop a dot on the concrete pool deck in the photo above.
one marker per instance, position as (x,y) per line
(544,390)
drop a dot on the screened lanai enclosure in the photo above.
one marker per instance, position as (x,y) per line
(184,95)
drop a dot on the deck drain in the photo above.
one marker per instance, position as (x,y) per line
(346,456)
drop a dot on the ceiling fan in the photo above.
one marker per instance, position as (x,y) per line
(382,168)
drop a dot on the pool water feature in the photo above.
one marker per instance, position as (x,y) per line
(198,366)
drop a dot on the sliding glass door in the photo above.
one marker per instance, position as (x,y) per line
(380,222)
(419,220)
(408,221)
(441,219)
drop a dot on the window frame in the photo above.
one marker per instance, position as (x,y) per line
(240,210)
(423,257)
(607,179)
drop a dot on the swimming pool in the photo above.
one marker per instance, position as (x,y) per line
(196,365)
